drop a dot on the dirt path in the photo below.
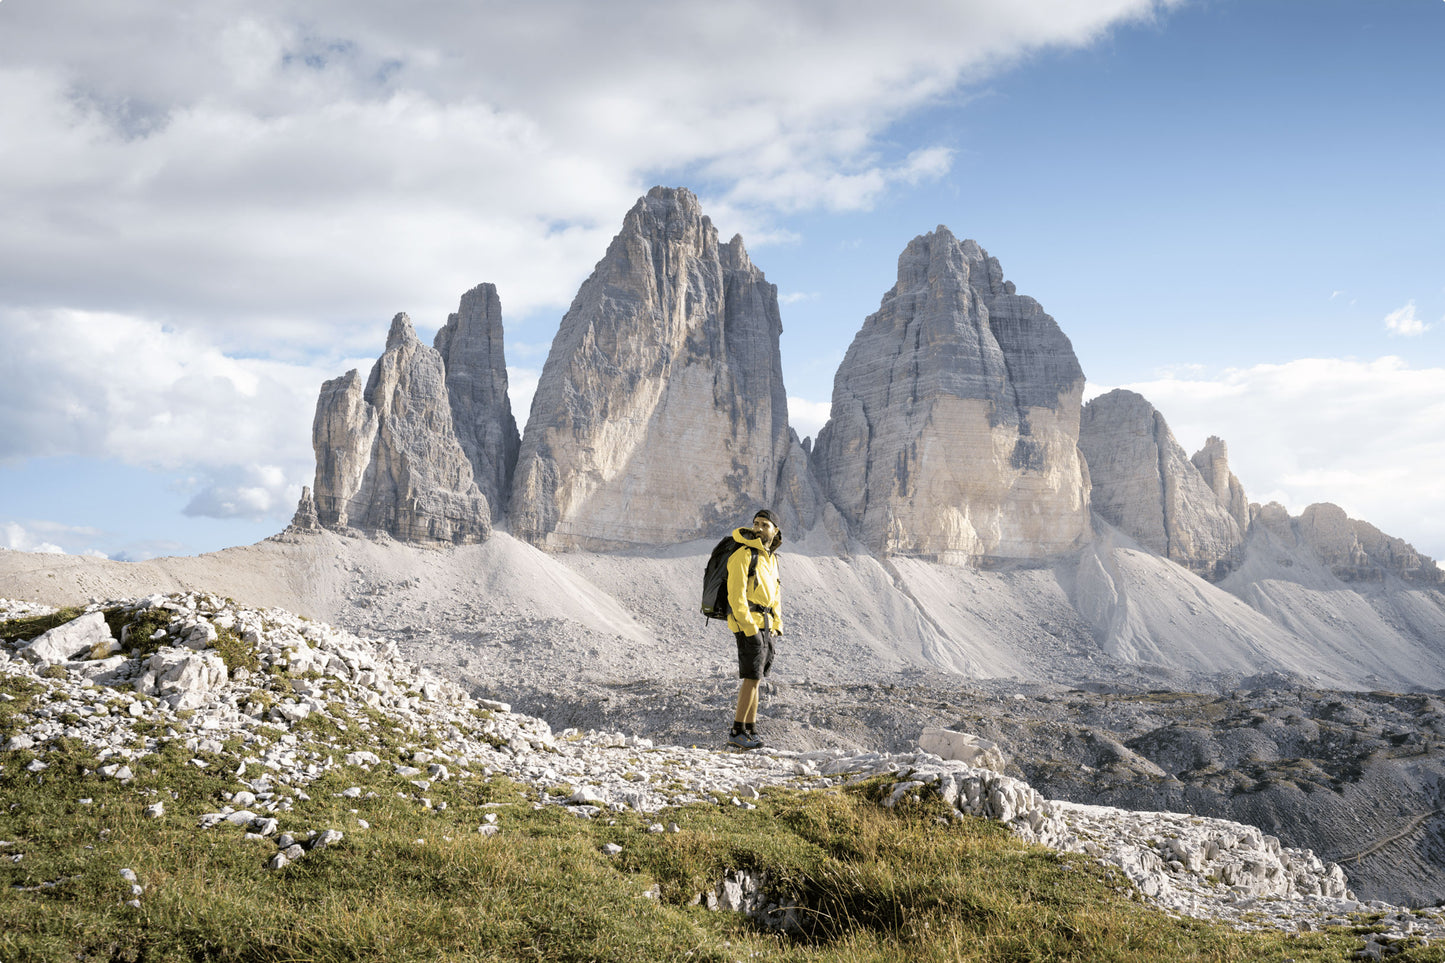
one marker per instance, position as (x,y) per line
(1409,828)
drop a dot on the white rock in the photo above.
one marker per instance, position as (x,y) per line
(963,747)
(73,640)
(327,838)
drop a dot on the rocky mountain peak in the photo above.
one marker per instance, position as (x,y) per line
(387,455)
(1213,463)
(954,427)
(401,333)
(660,414)
(1146,486)
(1354,550)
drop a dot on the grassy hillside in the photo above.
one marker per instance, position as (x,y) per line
(412,881)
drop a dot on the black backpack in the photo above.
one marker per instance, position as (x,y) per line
(715,577)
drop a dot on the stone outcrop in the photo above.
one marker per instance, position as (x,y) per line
(954,426)
(86,637)
(1353,550)
(1213,463)
(660,415)
(387,455)
(1146,486)
(470,345)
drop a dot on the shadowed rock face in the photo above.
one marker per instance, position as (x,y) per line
(470,345)
(660,415)
(955,418)
(1147,487)
(387,456)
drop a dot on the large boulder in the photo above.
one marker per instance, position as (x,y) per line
(660,414)
(81,638)
(387,455)
(1146,486)
(955,419)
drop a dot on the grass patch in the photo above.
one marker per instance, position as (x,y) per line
(29,627)
(134,629)
(424,884)
(236,652)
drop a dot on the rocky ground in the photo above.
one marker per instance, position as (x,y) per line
(613,643)
(291,699)
(1356,777)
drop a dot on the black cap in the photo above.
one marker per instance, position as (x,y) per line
(765,513)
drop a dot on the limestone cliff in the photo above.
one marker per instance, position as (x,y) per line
(955,418)
(387,455)
(660,414)
(1146,486)
(1213,463)
(1355,551)
(470,345)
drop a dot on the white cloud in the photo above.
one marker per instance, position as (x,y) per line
(521,386)
(807,418)
(1402,322)
(112,386)
(17,539)
(289,178)
(1364,435)
(207,215)
(34,537)
(253,492)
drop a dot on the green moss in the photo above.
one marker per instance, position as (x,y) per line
(135,629)
(236,652)
(29,627)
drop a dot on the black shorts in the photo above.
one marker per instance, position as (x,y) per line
(755,654)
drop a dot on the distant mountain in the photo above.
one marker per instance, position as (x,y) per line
(957,435)
(955,421)
(660,415)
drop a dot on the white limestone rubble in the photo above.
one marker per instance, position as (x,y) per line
(1188,865)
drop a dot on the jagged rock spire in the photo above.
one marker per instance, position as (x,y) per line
(1146,486)
(660,414)
(470,345)
(387,456)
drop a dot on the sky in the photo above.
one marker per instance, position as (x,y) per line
(1232,207)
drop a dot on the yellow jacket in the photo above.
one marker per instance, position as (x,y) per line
(765,590)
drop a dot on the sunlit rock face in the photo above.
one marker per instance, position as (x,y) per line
(660,415)
(387,455)
(470,346)
(1146,486)
(955,420)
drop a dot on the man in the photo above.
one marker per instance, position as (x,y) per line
(755,616)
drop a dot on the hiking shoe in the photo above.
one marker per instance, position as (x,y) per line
(744,741)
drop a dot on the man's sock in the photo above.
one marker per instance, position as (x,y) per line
(737,728)
(748,727)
